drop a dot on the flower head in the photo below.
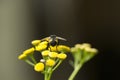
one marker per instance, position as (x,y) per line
(22,56)
(50,62)
(29,51)
(41,46)
(53,54)
(62,56)
(35,42)
(63,48)
(45,52)
(94,50)
(39,67)
(91,50)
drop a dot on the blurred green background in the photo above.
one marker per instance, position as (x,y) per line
(93,21)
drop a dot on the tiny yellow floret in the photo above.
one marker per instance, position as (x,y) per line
(22,56)
(78,45)
(63,48)
(44,43)
(53,54)
(94,50)
(91,50)
(35,42)
(41,46)
(62,56)
(50,62)
(82,46)
(45,52)
(29,51)
(87,49)
(86,44)
(39,67)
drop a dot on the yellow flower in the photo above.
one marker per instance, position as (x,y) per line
(53,48)
(45,53)
(62,56)
(22,56)
(50,62)
(29,51)
(39,67)
(63,48)
(41,46)
(35,42)
(53,54)
(44,43)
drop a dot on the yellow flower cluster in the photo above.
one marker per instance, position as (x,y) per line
(85,46)
(83,52)
(52,55)
(51,59)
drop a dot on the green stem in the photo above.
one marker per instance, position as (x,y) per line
(48,76)
(45,76)
(33,59)
(29,62)
(48,73)
(75,71)
(57,65)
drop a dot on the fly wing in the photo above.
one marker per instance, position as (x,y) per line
(61,38)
